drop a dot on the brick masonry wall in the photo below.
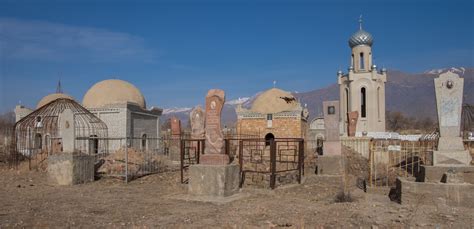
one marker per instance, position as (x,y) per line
(286,127)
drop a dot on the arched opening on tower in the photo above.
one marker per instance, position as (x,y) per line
(363,103)
(268,138)
(361,61)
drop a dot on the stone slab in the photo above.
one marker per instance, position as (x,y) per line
(217,200)
(450,144)
(436,173)
(175,127)
(438,194)
(451,158)
(331,120)
(196,118)
(214,180)
(449,92)
(329,165)
(67,128)
(70,169)
(332,148)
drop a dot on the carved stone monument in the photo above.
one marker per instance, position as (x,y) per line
(330,162)
(449,93)
(451,180)
(197,123)
(214,151)
(214,176)
(332,145)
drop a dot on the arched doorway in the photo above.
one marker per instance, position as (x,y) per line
(319,145)
(269,137)
(93,144)
(38,141)
(144,145)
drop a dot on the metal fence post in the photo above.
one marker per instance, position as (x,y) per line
(181,154)
(241,160)
(126,159)
(272,164)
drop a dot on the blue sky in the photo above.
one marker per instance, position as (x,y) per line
(174,51)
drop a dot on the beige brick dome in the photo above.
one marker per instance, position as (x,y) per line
(51,97)
(113,91)
(274,101)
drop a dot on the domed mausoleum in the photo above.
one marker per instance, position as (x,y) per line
(51,97)
(22,111)
(111,92)
(275,113)
(122,107)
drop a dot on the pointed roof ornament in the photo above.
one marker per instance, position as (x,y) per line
(59,89)
(274,83)
(360,22)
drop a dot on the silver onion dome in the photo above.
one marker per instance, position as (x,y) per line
(361,37)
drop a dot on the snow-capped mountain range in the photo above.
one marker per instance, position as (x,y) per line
(400,95)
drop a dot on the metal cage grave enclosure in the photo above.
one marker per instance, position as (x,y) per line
(38,135)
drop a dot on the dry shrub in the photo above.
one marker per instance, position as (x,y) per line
(343,197)
(138,162)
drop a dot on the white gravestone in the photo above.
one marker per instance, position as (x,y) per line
(449,92)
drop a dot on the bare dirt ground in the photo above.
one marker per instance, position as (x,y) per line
(28,200)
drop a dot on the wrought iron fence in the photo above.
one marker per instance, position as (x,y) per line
(128,158)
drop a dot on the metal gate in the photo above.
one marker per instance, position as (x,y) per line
(274,158)
(191,149)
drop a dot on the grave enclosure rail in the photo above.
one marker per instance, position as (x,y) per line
(254,155)
(389,159)
(191,149)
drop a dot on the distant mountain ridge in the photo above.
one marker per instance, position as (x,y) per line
(411,94)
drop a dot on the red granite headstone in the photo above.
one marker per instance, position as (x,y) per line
(352,123)
(214,151)
(175,127)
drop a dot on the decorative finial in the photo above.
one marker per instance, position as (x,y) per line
(59,89)
(274,83)
(360,22)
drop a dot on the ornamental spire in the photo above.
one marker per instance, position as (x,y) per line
(360,22)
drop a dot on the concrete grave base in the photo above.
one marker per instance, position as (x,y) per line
(70,169)
(452,158)
(329,165)
(436,173)
(414,193)
(214,180)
